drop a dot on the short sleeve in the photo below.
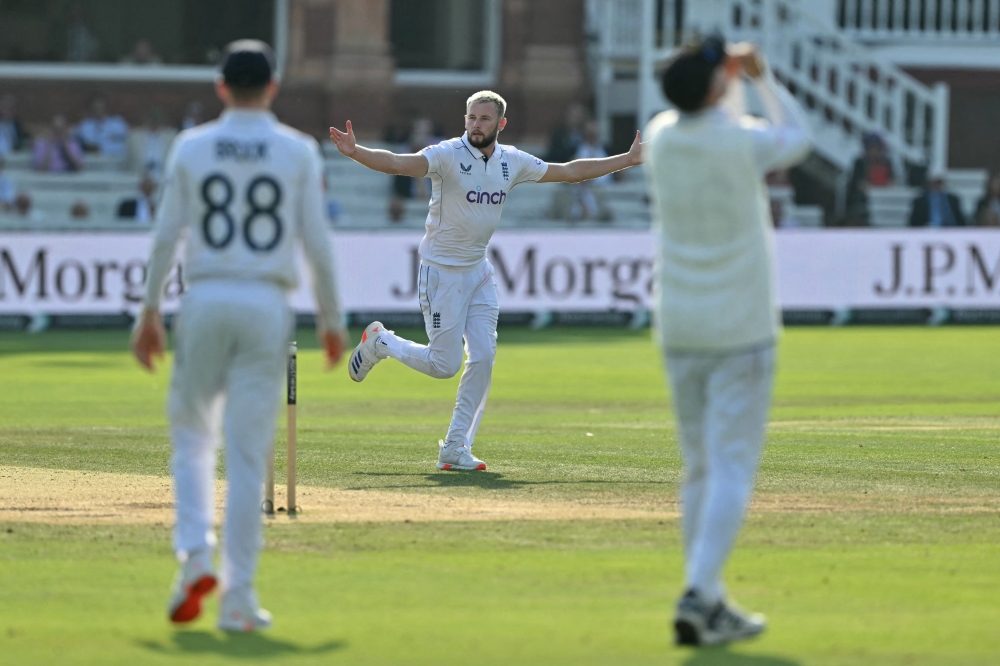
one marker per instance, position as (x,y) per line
(530,168)
(438,158)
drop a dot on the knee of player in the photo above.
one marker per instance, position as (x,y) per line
(446,367)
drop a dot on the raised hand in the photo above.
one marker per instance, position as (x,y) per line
(749,58)
(344,141)
(635,152)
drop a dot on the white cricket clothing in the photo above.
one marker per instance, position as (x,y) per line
(715,256)
(231,341)
(244,190)
(467,196)
(457,303)
(721,402)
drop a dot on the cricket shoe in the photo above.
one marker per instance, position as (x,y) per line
(195,579)
(239,611)
(700,623)
(458,457)
(368,353)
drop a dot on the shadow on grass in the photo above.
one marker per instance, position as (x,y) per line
(484,480)
(250,646)
(721,656)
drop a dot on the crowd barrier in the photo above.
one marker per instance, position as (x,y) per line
(564,276)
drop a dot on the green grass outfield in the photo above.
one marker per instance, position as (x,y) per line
(880,546)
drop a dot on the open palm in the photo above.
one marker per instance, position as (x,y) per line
(344,141)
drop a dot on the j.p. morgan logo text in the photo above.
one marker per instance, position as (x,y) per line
(939,270)
(43,278)
(625,281)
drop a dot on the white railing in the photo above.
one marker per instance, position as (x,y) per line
(846,87)
(923,20)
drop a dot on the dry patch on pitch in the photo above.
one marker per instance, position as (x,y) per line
(67,496)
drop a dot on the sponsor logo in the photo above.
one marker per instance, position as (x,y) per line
(466,169)
(477,196)
(537,161)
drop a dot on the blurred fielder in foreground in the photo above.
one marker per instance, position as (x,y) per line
(718,316)
(244,190)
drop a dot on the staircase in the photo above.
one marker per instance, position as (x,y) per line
(846,88)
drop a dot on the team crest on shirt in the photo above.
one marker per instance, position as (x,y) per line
(466,169)
(506,170)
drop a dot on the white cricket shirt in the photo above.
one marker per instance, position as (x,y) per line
(244,191)
(715,270)
(468,193)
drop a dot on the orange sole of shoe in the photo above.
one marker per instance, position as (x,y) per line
(190,608)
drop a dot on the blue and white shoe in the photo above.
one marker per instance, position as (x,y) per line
(699,622)
(370,351)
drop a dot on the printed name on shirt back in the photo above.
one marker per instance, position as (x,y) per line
(241,151)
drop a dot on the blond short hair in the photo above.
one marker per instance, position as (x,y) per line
(484,96)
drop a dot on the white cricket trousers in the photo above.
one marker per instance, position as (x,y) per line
(457,303)
(721,402)
(231,340)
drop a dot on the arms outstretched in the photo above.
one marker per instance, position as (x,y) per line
(577,170)
(413,165)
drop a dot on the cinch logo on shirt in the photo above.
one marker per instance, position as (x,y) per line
(478,196)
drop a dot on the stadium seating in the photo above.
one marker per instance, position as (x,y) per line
(362,197)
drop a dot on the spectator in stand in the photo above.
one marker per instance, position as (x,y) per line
(872,169)
(58,151)
(566,138)
(148,145)
(422,134)
(193,116)
(936,207)
(79,210)
(101,132)
(563,145)
(588,197)
(12,134)
(24,209)
(142,53)
(7,191)
(141,208)
(81,45)
(988,207)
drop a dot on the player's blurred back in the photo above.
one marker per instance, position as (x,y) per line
(243,184)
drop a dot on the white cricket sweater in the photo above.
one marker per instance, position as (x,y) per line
(715,272)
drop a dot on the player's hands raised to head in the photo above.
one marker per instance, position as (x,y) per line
(149,338)
(749,58)
(344,141)
(334,343)
(635,152)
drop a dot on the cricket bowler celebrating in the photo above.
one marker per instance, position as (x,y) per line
(718,315)
(471,178)
(243,190)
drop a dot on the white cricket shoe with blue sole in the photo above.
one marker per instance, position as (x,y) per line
(458,457)
(369,352)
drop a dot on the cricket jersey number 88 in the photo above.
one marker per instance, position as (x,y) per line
(218,208)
